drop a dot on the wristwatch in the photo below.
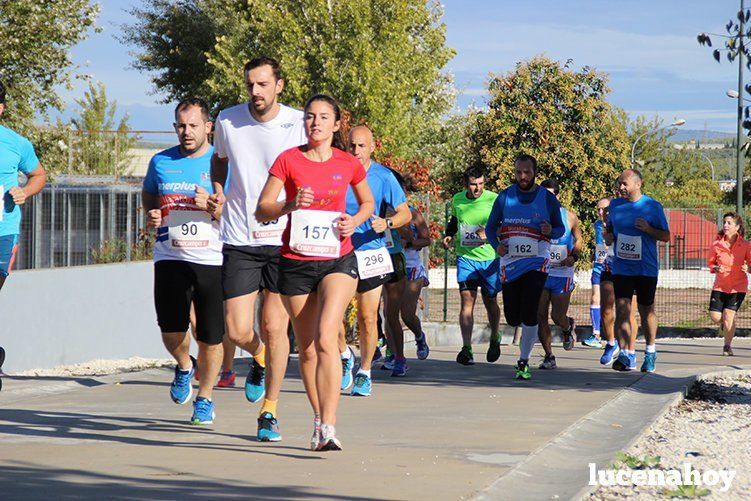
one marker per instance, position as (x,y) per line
(389,223)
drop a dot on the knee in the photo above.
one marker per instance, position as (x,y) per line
(271,325)
(368,319)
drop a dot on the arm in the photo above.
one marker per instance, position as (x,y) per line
(656,233)
(712,259)
(36,179)
(269,208)
(494,221)
(401,217)
(364,196)
(451,228)
(423,233)
(151,205)
(576,232)
(557,228)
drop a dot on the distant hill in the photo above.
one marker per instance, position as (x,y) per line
(685,135)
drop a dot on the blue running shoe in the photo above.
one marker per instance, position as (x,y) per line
(268,428)
(388,363)
(255,383)
(181,390)
(400,367)
(609,354)
(622,363)
(423,350)
(377,355)
(348,367)
(632,361)
(649,362)
(362,386)
(591,342)
(203,411)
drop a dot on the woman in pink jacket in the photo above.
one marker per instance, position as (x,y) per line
(728,259)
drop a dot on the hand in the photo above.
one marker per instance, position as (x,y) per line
(447,242)
(346,225)
(154,218)
(481,232)
(201,198)
(744,268)
(18,194)
(608,237)
(718,268)
(641,224)
(379,224)
(304,198)
(545,228)
(568,262)
(215,203)
(502,250)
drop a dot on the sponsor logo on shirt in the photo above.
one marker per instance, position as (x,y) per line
(176,186)
(287,125)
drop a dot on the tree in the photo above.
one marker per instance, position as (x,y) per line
(382,59)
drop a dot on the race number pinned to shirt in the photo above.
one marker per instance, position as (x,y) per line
(523,247)
(373,262)
(313,233)
(469,237)
(189,228)
(270,230)
(601,253)
(628,247)
(558,253)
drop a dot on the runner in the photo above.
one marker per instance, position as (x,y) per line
(476,263)
(187,256)
(600,256)
(318,268)
(248,139)
(16,155)
(728,259)
(564,252)
(373,260)
(635,223)
(523,220)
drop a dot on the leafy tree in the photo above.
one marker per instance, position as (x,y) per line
(382,59)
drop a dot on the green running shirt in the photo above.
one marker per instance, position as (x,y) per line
(471,213)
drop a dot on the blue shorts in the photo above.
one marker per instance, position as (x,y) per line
(596,274)
(8,248)
(559,285)
(472,274)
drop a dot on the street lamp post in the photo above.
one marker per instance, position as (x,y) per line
(706,157)
(677,123)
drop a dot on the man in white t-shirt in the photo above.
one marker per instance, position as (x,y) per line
(248,139)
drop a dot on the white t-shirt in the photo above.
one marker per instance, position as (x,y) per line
(251,148)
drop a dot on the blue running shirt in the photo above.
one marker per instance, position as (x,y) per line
(635,251)
(16,155)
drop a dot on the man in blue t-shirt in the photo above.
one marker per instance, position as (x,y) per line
(636,223)
(16,155)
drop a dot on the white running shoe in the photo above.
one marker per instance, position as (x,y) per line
(315,440)
(329,441)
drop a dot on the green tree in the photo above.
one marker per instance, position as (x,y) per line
(382,59)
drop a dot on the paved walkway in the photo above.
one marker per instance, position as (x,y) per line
(444,432)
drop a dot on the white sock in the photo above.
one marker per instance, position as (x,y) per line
(528,340)
(651,348)
(365,372)
(346,354)
(611,342)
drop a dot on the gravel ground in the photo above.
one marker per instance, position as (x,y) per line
(102,367)
(710,429)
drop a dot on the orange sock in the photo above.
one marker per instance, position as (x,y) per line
(261,357)
(268,406)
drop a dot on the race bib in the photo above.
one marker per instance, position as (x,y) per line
(469,237)
(270,230)
(373,263)
(628,247)
(313,233)
(601,253)
(389,238)
(189,228)
(558,253)
(523,247)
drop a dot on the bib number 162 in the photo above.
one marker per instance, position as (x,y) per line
(520,249)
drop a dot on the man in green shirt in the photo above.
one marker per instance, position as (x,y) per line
(477,265)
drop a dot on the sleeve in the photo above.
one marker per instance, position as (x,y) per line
(748,252)
(712,257)
(494,220)
(358,173)
(149,182)
(220,140)
(29,160)
(661,223)
(395,195)
(452,227)
(598,233)
(554,211)
(280,168)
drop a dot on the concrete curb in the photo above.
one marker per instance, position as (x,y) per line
(559,468)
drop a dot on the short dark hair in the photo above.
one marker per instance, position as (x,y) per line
(194,101)
(263,61)
(552,184)
(2,93)
(524,157)
(475,171)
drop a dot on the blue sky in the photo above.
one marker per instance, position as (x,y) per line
(648,48)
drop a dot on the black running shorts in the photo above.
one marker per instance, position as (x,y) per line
(248,269)
(298,277)
(645,287)
(521,298)
(719,301)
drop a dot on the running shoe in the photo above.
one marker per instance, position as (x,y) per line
(609,354)
(423,350)
(348,367)
(465,356)
(268,428)
(494,350)
(400,367)
(203,411)
(632,361)
(549,362)
(726,350)
(2,357)
(569,335)
(255,382)
(649,362)
(362,386)
(622,363)
(329,442)
(592,341)
(522,369)
(377,355)
(388,363)
(181,390)
(315,439)
(226,379)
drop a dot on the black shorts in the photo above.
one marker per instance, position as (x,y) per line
(368,284)
(645,287)
(176,284)
(248,269)
(521,298)
(719,301)
(400,268)
(606,276)
(298,277)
